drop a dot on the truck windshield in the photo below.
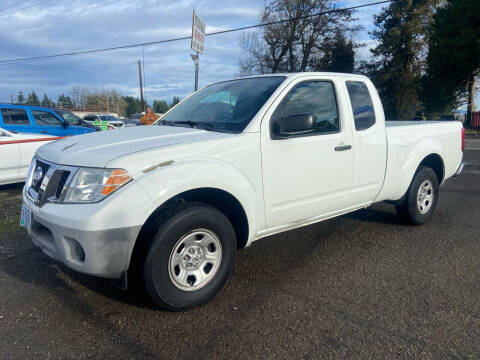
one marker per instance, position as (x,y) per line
(107,118)
(68,116)
(227,106)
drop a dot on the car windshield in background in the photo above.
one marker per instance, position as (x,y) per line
(227,106)
(68,116)
(107,118)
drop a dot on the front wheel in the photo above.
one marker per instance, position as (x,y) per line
(421,198)
(190,257)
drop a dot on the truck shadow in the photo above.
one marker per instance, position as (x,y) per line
(272,267)
(376,215)
(291,249)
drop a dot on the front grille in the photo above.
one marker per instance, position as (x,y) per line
(39,173)
(61,183)
(51,185)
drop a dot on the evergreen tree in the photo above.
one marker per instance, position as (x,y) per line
(46,101)
(132,105)
(454,55)
(32,99)
(339,55)
(160,106)
(65,101)
(402,35)
(20,98)
(175,101)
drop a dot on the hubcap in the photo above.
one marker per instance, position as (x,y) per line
(425,197)
(195,259)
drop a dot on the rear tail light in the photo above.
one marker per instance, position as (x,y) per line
(463,139)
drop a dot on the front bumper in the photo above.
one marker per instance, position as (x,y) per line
(92,239)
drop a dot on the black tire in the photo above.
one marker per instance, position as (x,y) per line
(409,211)
(175,224)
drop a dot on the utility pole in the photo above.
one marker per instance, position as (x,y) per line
(11,98)
(196,61)
(142,105)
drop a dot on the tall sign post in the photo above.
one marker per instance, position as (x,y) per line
(197,42)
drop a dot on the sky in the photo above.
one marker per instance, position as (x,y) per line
(44,27)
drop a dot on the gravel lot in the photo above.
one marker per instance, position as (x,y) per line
(359,286)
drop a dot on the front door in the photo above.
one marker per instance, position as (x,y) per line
(47,123)
(307,175)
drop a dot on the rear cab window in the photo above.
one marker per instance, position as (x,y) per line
(362,105)
(12,116)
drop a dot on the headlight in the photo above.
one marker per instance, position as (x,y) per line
(91,185)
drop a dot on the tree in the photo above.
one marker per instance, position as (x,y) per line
(64,101)
(132,105)
(339,55)
(298,44)
(160,106)
(399,58)
(20,98)
(46,101)
(77,96)
(32,99)
(454,56)
(175,101)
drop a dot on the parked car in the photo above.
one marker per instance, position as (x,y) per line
(73,119)
(133,120)
(235,162)
(97,119)
(16,153)
(37,120)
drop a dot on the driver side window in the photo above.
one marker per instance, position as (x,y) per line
(316,98)
(45,118)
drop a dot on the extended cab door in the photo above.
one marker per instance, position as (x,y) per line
(369,139)
(308,175)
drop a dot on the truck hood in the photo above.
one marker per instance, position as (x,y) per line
(99,148)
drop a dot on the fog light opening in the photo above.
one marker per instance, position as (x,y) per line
(75,250)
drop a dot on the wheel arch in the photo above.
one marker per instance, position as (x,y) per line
(220,199)
(435,162)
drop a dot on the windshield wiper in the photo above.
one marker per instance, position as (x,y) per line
(195,124)
(165,122)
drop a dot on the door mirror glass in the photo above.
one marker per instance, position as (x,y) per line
(296,124)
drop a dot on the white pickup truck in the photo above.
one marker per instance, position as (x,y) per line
(234,162)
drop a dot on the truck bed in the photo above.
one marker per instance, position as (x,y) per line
(408,141)
(391,123)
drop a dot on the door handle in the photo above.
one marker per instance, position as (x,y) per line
(43,131)
(343,148)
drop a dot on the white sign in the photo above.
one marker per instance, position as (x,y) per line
(198,33)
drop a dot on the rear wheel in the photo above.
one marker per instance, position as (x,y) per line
(190,258)
(421,198)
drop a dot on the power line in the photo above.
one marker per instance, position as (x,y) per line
(122,47)
(12,5)
(76,66)
(26,7)
(64,17)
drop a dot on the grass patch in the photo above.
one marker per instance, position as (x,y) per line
(9,225)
